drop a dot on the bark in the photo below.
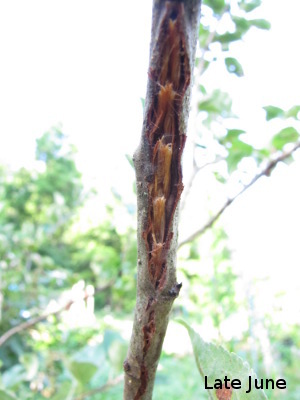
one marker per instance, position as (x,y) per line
(159,185)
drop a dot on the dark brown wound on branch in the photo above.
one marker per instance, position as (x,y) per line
(166,139)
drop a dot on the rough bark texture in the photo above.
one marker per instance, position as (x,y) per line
(159,185)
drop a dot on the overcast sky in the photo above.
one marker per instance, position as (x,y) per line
(82,65)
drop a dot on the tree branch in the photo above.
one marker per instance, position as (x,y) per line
(101,389)
(159,185)
(33,321)
(265,172)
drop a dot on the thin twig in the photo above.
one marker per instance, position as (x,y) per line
(103,388)
(188,186)
(33,321)
(265,172)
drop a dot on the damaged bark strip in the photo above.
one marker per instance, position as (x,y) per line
(159,186)
(166,139)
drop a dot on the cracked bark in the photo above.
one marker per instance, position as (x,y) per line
(159,185)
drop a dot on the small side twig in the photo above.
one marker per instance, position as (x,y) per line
(188,186)
(101,389)
(33,321)
(265,172)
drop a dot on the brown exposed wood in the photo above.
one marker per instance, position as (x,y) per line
(166,138)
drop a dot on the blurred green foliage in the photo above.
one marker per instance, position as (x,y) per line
(46,256)
(43,254)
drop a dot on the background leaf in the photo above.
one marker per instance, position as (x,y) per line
(233,66)
(293,112)
(237,152)
(217,102)
(286,135)
(83,371)
(215,362)
(6,396)
(216,5)
(260,23)
(248,6)
(65,391)
(273,112)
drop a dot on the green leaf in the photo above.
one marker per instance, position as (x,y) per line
(216,5)
(220,178)
(233,66)
(110,336)
(204,34)
(130,160)
(260,23)
(194,252)
(237,152)
(65,391)
(228,37)
(217,103)
(232,161)
(215,362)
(248,6)
(286,135)
(261,155)
(231,135)
(234,133)
(13,376)
(92,354)
(82,371)
(117,354)
(202,89)
(293,112)
(6,395)
(242,24)
(273,112)
(30,363)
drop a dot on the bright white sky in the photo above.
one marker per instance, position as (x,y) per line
(83,65)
